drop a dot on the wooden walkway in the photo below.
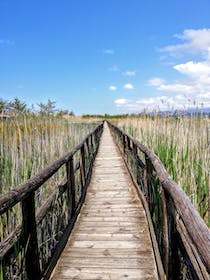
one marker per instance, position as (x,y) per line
(110,239)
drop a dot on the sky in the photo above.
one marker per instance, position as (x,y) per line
(106,56)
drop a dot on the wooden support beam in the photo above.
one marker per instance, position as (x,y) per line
(29,235)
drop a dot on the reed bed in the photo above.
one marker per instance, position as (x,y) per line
(28,144)
(183,145)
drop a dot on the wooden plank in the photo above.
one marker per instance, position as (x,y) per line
(102,262)
(100,252)
(105,273)
(99,219)
(109,244)
(80,236)
(112,230)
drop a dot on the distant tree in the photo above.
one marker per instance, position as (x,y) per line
(71,113)
(48,108)
(18,106)
(2,105)
(61,112)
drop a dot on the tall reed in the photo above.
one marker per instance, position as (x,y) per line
(28,144)
(183,145)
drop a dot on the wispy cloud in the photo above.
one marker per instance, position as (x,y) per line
(109,51)
(114,68)
(155,82)
(129,73)
(6,42)
(128,86)
(121,102)
(112,88)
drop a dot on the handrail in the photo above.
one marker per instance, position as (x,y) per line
(189,226)
(17,194)
(32,249)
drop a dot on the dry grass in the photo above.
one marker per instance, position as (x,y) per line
(28,144)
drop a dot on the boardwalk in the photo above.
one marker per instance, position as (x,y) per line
(111,236)
(110,239)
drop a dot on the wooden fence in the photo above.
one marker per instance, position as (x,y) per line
(42,229)
(181,239)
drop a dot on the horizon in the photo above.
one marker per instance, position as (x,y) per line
(111,57)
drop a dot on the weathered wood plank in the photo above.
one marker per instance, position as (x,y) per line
(105,273)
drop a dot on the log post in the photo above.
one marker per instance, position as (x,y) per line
(165,232)
(82,164)
(148,183)
(29,233)
(71,187)
(91,145)
(124,145)
(127,147)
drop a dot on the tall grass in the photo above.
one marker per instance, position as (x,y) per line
(183,145)
(28,144)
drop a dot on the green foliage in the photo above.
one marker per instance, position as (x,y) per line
(18,106)
(48,108)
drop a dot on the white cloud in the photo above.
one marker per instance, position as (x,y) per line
(163,103)
(109,51)
(194,69)
(129,73)
(120,102)
(194,42)
(155,82)
(114,68)
(128,86)
(176,88)
(112,88)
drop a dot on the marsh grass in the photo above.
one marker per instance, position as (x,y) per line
(28,144)
(183,145)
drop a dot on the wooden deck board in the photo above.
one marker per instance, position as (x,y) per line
(110,239)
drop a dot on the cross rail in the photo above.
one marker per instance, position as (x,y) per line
(31,250)
(182,236)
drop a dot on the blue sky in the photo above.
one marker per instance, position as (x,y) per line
(106,56)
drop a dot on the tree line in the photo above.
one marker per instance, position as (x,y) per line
(17,107)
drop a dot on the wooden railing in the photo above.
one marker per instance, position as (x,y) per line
(42,229)
(179,235)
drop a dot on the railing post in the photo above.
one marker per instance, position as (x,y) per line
(30,242)
(127,147)
(148,183)
(135,154)
(82,164)
(165,232)
(174,258)
(70,187)
(91,142)
(88,146)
